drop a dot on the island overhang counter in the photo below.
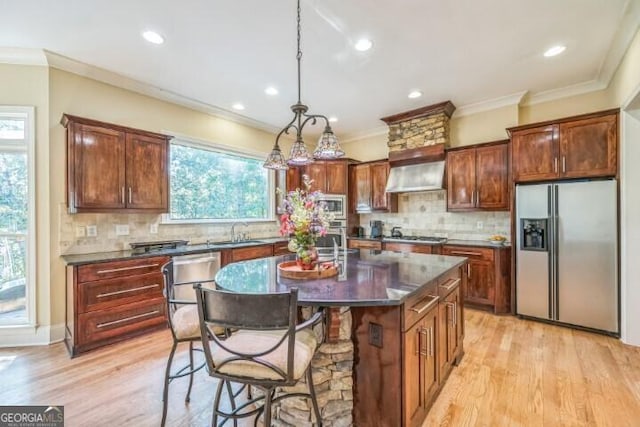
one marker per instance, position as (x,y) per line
(394,324)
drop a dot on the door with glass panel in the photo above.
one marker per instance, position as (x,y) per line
(14,217)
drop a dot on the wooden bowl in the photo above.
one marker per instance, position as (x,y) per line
(290,270)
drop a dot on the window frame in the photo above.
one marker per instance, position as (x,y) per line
(200,144)
(28,114)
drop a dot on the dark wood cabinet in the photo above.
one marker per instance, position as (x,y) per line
(408,247)
(450,336)
(406,353)
(369,181)
(243,254)
(112,168)
(364,244)
(488,274)
(575,147)
(328,176)
(478,178)
(112,301)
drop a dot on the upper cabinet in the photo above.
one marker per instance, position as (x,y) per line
(577,147)
(111,168)
(478,177)
(328,176)
(369,181)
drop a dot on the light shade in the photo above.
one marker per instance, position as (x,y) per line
(328,146)
(275,160)
(299,155)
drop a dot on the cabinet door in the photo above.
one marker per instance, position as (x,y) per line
(317,172)
(430,359)
(362,177)
(588,147)
(444,362)
(336,177)
(492,177)
(481,283)
(380,199)
(413,373)
(293,178)
(461,179)
(98,172)
(455,327)
(535,154)
(147,173)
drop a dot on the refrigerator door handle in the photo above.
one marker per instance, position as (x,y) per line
(550,237)
(556,260)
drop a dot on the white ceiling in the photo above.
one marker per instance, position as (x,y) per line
(220,52)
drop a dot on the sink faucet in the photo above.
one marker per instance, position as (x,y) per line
(235,238)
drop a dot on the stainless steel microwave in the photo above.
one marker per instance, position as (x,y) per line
(335,204)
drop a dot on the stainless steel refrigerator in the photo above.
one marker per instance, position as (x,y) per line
(567,253)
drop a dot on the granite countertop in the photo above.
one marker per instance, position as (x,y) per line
(368,278)
(457,242)
(79,259)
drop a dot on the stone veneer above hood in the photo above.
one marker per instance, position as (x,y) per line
(420,127)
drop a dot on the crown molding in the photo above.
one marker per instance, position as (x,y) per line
(629,26)
(369,133)
(478,107)
(564,92)
(105,76)
(22,56)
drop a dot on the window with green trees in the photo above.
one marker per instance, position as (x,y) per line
(209,184)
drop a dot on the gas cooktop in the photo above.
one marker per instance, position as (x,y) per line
(425,239)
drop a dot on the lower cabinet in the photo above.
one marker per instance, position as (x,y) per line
(488,276)
(412,348)
(244,254)
(112,301)
(364,244)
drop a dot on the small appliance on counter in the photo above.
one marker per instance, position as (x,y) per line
(145,247)
(376,229)
(358,231)
(395,232)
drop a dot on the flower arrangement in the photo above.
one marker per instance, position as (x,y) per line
(304,220)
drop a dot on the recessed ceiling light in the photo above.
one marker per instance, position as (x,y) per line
(271,91)
(333,119)
(153,37)
(363,45)
(238,106)
(555,50)
(414,94)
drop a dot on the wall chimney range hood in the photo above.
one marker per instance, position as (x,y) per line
(417,169)
(417,139)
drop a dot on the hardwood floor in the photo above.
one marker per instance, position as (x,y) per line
(514,373)
(523,373)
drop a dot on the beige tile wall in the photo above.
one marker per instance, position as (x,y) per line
(426,214)
(139,225)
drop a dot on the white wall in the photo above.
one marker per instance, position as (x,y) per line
(630,236)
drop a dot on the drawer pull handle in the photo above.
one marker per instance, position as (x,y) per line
(115,270)
(466,253)
(424,351)
(126,319)
(432,302)
(452,285)
(140,288)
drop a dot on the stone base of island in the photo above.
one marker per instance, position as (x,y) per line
(393,331)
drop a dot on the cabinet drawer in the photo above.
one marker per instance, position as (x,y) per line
(108,270)
(417,308)
(408,247)
(470,252)
(104,324)
(101,294)
(253,252)
(364,244)
(281,248)
(449,283)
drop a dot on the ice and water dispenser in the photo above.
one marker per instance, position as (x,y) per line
(534,234)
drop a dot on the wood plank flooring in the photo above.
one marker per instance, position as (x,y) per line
(514,373)
(522,373)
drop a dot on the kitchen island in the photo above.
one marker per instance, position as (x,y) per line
(394,324)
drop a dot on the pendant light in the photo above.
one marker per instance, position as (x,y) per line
(328,146)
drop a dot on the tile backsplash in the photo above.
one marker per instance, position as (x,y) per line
(139,231)
(425,213)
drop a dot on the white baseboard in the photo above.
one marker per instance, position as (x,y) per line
(20,336)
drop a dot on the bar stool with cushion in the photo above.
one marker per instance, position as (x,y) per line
(184,323)
(268,349)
